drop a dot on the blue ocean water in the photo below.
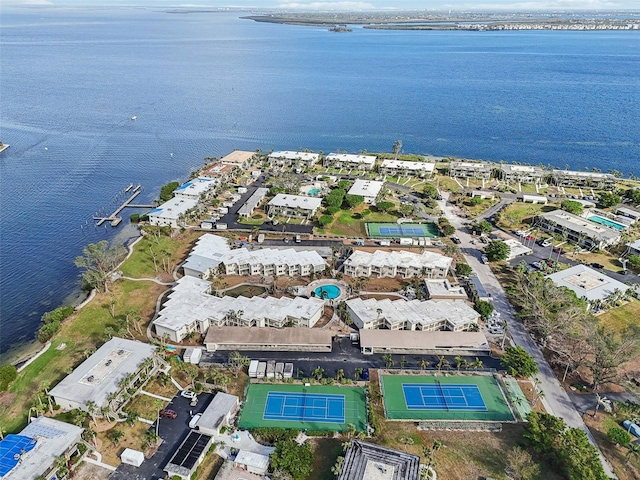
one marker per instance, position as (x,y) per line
(202,84)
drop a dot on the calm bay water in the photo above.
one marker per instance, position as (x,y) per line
(202,84)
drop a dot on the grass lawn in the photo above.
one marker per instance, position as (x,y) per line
(167,391)
(518,215)
(133,438)
(145,406)
(208,469)
(609,261)
(475,210)
(619,318)
(325,453)
(251,220)
(345,225)
(448,184)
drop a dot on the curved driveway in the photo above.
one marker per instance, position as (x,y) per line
(556,400)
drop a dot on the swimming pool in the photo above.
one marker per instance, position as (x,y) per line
(327,292)
(606,222)
(314,191)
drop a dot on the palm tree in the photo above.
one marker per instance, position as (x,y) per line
(339,374)
(358,373)
(423,364)
(317,373)
(92,408)
(388,360)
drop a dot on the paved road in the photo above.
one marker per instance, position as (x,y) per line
(343,356)
(556,400)
(173,432)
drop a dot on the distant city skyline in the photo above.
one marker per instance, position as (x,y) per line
(346,5)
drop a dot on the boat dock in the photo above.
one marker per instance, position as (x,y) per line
(113,218)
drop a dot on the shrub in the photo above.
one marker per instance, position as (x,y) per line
(57,315)
(47,331)
(272,434)
(332,210)
(619,436)
(134,217)
(8,373)
(325,220)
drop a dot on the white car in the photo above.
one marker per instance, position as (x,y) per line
(187,394)
(194,420)
(496,330)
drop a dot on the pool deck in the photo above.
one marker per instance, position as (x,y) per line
(344,289)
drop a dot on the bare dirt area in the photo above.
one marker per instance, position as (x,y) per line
(325,318)
(626,470)
(133,438)
(384,284)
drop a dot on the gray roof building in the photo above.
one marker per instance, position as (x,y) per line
(99,375)
(366,461)
(218,414)
(587,283)
(578,229)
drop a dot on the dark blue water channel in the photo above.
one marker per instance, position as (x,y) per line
(202,84)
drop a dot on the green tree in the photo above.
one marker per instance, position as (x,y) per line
(344,185)
(634,260)
(571,206)
(484,308)
(318,372)
(388,359)
(518,362)
(384,206)
(297,460)
(98,261)
(497,250)
(325,220)
(446,229)
(463,270)
(115,436)
(608,199)
(237,361)
(166,192)
(619,436)
(633,194)
(429,191)
(8,373)
(542,431)
(354,200)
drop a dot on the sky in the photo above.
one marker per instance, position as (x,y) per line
(363,5)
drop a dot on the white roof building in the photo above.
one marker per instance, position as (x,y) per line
(578,229)
(211,251)
(294,205)
(587,283)
(240,158)
(168,213)
(252,462)
(401,166)
(41,442)
(400,262)
(369,189)
(194,188)
(252,202)
(433,315)
(99,375)
(190,308)
(288,158)
(348,160)
(218,413)
(516,248)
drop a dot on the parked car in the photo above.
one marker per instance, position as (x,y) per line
(496,330)
(187,394)
(168,413)
(597,266)
(485,259)
(559,250)
(365,374)
(456,240)
(537,265)
(529,238)
(623,272)
(546,242)
(194,420)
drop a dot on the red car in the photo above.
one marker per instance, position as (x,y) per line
(559,250)
(529,238)
(168,413)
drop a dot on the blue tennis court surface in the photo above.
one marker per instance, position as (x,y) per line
(298,407)
(10,450)
(423,396)
(418,231)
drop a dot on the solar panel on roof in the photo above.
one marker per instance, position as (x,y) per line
(39,430)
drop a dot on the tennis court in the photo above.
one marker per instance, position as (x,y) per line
(457,397)
(397,230)
(296,407)
(419,396)
(299,407)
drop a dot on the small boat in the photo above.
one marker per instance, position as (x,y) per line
(134,118)
(129,187)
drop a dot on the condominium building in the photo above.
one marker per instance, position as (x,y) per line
(195,188)
(171,212)
(432,315)
(403,168)
(252,202)
(350,161)
(470,170)
(212,254)
(240,158)
(293,206)
(294,160)
(368,189)
(571,178)
(397,263)
(191,308)
(578,230)
(522,173)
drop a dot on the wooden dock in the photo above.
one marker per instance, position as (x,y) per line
(113,218)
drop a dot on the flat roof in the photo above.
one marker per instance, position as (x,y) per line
(528,196)
(289,155)
(268,335)
(217,410)
(352,158)
(516,248)
(52,438)
(252,459)
(366,188)
(423,339)
(190,301)
(416,312)
(367,461)
(580,174)
(443,287)
(408,165)
(399,258)
(509,168)
(217,170)
(237,157)
(587,283)
(173,208)
(99,375)
(195,187)
(635,244)
(296,201)
(580,224)
(471,165)
(253,201)
(627,210)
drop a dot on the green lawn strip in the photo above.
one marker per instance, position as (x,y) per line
(140,264)
(254,405)
(396,409)
(251,221)
(619,318)
(518,399)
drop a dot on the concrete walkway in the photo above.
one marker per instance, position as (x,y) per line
(154,280)
(98,462)
(242,440)
(153,395)
(556,400)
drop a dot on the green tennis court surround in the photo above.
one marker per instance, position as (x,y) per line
(317,407)
(402,230)
(456,397)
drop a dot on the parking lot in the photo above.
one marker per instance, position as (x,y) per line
(172,432)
